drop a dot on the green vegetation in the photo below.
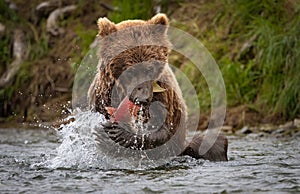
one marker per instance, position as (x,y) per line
(4,52)
(275,53)
(6,13)
(255,43)
(240,81)
(39,46)
(125,10)
(86,37)
(279,44)
(6,17)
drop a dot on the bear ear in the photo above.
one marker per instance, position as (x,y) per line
(106,27)
(160,19)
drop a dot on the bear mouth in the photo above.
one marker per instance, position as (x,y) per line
(140,108)
(143,93)
(135,112)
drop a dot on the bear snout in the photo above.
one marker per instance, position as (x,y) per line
(143,93)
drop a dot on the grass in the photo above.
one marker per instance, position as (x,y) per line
(86,37)
(240,81)
(125,10)
(256,44)
(277,53)
(7,15)
(22,77)
(280,58)
(39,47)
(5,52)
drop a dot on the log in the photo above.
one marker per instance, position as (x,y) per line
(45,8)
(19,55)
(52,21)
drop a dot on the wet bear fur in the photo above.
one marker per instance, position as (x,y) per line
(141,48)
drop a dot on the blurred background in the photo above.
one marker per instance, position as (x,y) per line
(255,43)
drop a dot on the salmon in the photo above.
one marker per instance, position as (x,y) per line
(125,111)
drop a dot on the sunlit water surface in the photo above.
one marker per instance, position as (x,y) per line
(42,160)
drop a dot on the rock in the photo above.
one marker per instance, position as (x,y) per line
(297,123)
(288,125)
(227,129)
(267,128)
(279,131)
(256,135)
(245,130)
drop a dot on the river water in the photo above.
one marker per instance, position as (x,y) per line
(42,160)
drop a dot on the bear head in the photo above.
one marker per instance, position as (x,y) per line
(133,54)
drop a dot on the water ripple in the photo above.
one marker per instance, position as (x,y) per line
(73,165)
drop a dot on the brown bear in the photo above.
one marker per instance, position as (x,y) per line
(133,68)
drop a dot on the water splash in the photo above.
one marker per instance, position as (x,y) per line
(78,148)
